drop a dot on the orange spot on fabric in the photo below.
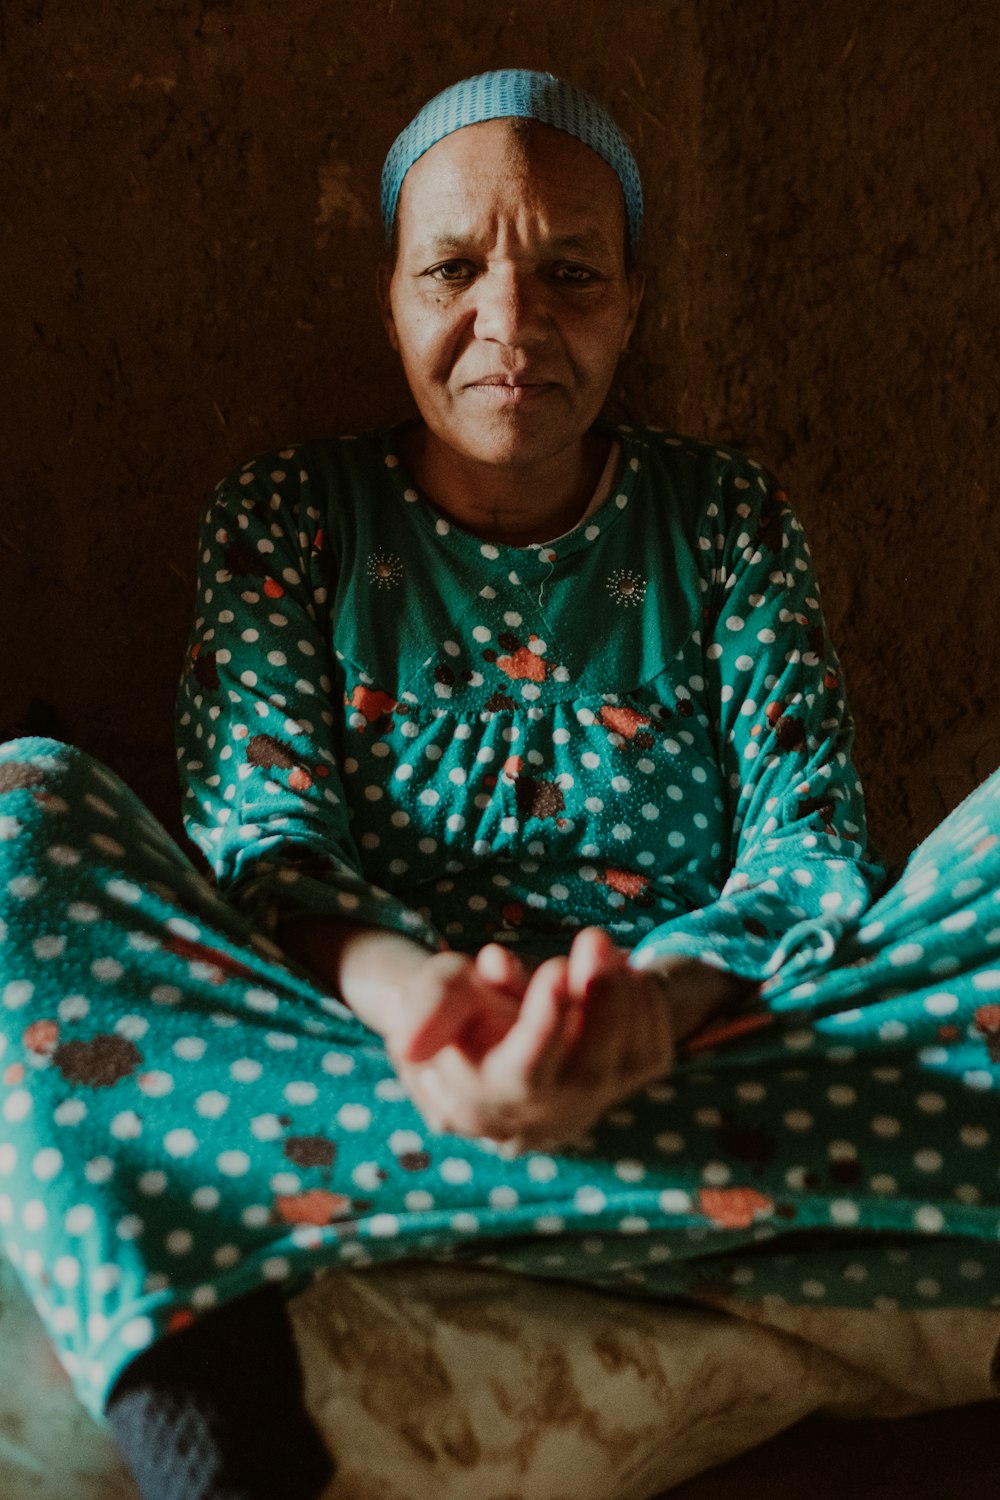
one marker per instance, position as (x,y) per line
(41,1036)
(987,1019)
(299,780)
(14,1073)
(372,702)
(273,589)
(734,1208)
(624,721)
(626,882)
(317,1206)
(181,1317)
(513,766)
(523,664)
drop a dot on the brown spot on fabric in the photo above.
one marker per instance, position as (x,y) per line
(412,1433)
(243,562)
(538,799)
(644,741)
(41,1037)
(770,528)
(204,667)
(622,1349)
(445,675)
(499,702)
(266,751)
(821,805)
(790,733)
(317,1206)
(785,1211)
(15,777)
(509,642)
(310,1150)
(100,1063)
(685,708)
(414,1161)
(754,927)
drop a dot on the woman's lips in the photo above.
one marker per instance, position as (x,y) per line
(508,393)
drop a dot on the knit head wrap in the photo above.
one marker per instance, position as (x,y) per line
(514,92)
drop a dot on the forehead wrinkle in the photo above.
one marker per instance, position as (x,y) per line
(490,172)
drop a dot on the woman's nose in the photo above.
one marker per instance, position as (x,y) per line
(510,307)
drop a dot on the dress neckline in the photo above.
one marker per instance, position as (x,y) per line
(615,492)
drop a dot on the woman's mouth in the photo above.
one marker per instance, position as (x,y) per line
(511,393)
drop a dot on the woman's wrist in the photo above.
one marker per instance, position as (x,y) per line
(696,991)
(366,967)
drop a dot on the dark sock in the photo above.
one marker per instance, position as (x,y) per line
(216,1411)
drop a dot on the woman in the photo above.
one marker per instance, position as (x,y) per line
(522,760)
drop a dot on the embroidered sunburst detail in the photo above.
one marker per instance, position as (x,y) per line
(384,569)
(626,587)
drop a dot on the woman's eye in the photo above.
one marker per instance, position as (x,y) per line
(575,275)
(451,271)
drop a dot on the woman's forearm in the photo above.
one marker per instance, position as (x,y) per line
(366,967)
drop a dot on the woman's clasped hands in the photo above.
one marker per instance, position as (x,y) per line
(488,1049)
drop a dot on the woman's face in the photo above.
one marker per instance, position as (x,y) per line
(510,301)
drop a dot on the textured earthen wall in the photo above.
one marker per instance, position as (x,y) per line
(189,218)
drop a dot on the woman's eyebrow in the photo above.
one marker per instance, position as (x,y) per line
(587,243)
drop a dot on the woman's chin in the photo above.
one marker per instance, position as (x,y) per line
(515,438)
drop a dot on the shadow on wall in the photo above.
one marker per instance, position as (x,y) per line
(193,232)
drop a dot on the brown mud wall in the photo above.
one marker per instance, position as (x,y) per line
(189,242)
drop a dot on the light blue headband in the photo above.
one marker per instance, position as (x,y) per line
(514,92)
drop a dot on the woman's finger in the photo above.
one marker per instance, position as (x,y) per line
(502,968)
(609,1014)
(532,1052)
(592,952)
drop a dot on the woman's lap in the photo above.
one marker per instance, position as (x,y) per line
(185,1117)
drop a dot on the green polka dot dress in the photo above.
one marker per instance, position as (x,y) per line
(639,725)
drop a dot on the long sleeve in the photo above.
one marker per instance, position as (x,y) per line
(773,694)
(264,798)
